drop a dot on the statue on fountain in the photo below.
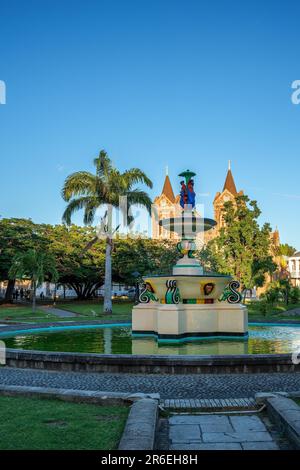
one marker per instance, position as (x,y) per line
(187,193)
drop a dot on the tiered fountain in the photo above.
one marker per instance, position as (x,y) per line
(189,304)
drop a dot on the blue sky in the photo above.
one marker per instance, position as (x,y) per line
(178,83)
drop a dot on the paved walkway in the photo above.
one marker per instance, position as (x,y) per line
(169,386)
(58,312)
(219,432)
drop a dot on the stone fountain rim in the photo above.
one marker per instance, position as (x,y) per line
(188,275)
(207,222)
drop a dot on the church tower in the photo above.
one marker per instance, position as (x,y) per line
(229,193)
(166,205)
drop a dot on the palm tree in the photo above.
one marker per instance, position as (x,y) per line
(34,265)
(84,190)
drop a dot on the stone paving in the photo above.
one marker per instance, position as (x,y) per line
(169,386)
(219,432)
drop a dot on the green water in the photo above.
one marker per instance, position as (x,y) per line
(118,340)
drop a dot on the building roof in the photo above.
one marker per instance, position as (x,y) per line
(167,189)
(296,255)
(230,184)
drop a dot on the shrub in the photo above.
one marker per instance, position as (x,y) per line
(272,295)
(263,306)
(295,295)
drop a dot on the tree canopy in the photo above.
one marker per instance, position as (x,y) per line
(79,259)
(242,248)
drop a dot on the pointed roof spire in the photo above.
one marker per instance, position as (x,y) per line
(167,189)
(229,182)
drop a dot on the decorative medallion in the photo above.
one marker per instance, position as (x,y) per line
(208,288)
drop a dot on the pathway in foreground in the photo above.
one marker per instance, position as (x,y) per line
(219,432)
(169,386)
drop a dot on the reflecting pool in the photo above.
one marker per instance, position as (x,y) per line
(263,339)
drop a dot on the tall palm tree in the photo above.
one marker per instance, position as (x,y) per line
(84,190)
(34,265)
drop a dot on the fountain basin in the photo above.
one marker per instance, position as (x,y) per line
(188,225)
(191,288)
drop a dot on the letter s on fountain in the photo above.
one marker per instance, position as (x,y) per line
(231,293)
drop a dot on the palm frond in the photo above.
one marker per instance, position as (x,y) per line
(75,205)
(90,210)
(103,165)
(139,198)
(79,184)
(34,265)
(135,175)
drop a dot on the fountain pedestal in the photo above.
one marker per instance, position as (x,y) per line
(171,322)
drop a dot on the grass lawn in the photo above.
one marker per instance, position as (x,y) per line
(88,310)
(94,309)
(274,312)
(23,314)
(122,310)
(33,423)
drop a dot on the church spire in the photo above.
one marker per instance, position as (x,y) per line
(229,182)
(167,189)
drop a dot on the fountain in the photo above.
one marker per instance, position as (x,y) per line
(189,303)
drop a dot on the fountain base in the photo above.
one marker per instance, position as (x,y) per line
(169,322)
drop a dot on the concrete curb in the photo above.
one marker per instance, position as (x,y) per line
(140,429)
(78,396)
(251,363)
(285,413)
(11,326)
(261,397)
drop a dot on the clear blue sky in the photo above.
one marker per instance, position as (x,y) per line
(179,83)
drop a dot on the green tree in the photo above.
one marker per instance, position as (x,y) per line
(80,268)
(36,266)
(242,247)
(142,255)
(16,237)
(295,295)
(87,191)
(286,250)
